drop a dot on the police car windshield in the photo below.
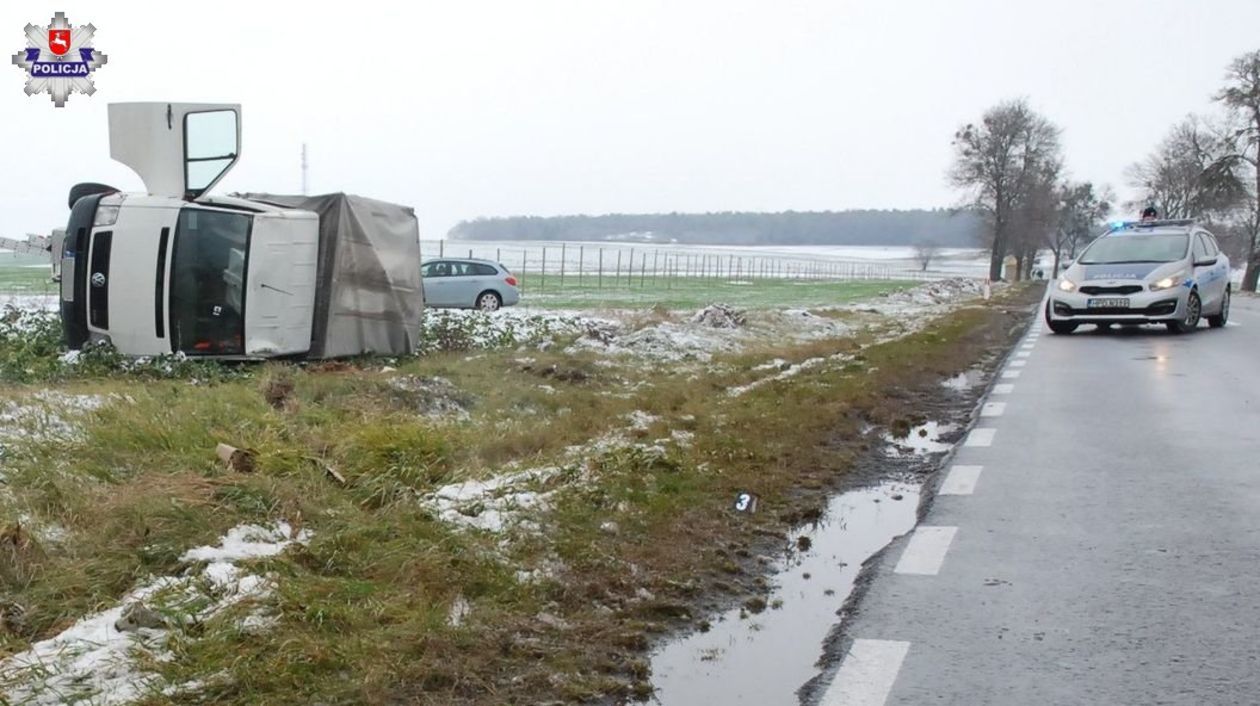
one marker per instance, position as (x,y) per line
(1117,249)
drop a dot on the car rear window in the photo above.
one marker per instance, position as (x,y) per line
(1118,249)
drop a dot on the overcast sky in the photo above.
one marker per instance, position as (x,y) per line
(475,108)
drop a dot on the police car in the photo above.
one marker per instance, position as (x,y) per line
(1143,272)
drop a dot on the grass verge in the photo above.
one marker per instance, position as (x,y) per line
(391,603)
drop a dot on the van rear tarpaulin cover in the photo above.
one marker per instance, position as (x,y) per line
(368,295)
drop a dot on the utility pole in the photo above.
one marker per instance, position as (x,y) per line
(304,169)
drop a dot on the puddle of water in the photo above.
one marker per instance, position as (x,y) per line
(923,439)
(765,657)
(964,381)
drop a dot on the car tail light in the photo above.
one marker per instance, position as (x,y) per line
(510,280)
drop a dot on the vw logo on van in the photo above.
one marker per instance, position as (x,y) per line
(98,279)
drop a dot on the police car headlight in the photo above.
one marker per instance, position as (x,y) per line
(1169,282)
(105,216)
(1067,285)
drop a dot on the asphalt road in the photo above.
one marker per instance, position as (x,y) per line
(1108,551)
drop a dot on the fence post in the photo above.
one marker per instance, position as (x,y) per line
(617,279)
(542,277)
(599,276)
(655,255)
(630,270)
(441,248)
(581,263)
(524,264)
(562,256)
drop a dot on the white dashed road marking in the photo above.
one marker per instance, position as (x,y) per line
(925,553)
(867,673)
(961,480)
(1010,374)
(980,437)
(1003,388)
(1018,363)
(993,409)
(1023,354)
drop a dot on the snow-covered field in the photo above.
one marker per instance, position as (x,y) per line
(877,260)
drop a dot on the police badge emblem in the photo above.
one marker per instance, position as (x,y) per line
(59,59)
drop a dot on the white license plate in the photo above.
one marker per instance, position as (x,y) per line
(1111,303)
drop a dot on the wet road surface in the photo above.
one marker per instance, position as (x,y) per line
(1096,539)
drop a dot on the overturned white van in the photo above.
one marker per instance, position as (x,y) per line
(176,270)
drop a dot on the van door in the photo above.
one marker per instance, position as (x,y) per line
(280,292)
(208,282)
(179,149)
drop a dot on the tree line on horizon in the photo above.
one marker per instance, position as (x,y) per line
(1010,167)
(941,227)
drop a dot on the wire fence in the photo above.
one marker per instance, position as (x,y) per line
(561,265)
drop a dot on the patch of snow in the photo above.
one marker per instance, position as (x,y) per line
(460,608)
(640,420)
(94,662)
(249,542)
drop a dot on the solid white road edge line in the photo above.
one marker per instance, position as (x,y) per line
(867,674)
(980,437)
(961,480)
(925,553)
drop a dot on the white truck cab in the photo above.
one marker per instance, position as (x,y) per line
(175,270)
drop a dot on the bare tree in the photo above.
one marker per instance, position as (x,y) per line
(998,163)
(1036,215)
(1081,212)
(924,252)
(1193,173)
(1241,97)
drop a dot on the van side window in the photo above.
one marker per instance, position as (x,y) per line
(483,270)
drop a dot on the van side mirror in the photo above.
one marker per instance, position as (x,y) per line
(1205,263)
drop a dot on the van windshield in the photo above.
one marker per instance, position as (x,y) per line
(208,282)
(1119,249)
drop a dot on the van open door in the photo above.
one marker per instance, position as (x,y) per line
(180,150)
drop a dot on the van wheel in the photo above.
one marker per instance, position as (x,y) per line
(1194,310)
(1222,318)
(489,301)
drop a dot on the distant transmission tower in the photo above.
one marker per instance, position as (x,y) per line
(304,169)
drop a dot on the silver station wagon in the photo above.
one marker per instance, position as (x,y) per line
(465,283)
(1170,272)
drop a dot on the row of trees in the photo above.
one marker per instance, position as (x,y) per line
(1010,165)
(944,227)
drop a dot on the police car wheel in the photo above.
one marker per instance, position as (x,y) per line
(1222,318)
(1194,310)
(1059,326)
